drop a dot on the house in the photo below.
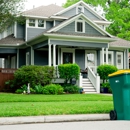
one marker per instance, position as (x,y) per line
(54,35)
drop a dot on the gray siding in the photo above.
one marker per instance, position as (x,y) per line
(0,62)
(8,51)
(57,22)
(33,32)
(70,13)
(90,15)
(20,31)
(98,57)
(89,30)
(41,57)
(80,58)
(22,57)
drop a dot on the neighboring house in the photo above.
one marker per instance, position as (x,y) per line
(53,35)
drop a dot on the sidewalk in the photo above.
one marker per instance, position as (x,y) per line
(50,119)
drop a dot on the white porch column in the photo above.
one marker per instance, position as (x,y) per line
(49,54)
(54,55)
(103,56)
(106,55)
(124,59)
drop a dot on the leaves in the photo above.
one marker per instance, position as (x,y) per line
(9,10)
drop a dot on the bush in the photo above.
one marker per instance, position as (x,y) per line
(38,89)
(105,70)
(68,88)
(34,75)
(69,71)
(53,89)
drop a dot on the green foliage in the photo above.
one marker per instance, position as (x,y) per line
(38,89)
(9,9)
(105,70)
(106,85)
(23,89)
(34,75)
(68,88)
(53,89)
(69,71)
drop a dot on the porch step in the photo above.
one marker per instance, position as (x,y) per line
(87,86)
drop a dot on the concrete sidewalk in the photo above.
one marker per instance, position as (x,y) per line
(54,118)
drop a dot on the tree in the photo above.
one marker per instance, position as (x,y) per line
(9,9)
(116,11)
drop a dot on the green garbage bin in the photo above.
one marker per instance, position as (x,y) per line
(120,85)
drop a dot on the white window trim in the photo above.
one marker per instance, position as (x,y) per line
(27,60)
(67,50)
(119,53)
(109,52)
(82,21)
(36,24)
(81,8)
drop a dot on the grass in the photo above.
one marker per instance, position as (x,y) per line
(34,105)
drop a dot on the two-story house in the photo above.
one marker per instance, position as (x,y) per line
(54,35)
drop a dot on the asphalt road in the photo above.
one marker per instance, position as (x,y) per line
(93,125)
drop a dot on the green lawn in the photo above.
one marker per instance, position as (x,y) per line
(34,105)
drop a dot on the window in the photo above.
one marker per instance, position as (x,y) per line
(40,23)
(67,57)
(80,26)
(79,9)
(110,57)
(32,22)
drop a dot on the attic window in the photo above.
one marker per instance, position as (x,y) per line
(80,26)
(40,23)
(79,9)
(32,22)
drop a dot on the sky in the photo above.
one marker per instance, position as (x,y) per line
(35,3)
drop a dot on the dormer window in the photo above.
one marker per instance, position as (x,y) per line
(80,26)
(32,22)
(79,9)
(40,23)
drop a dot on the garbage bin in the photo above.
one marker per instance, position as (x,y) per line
(120,85)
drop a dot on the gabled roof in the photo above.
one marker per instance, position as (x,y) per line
(72,19)
(85,5)
(10,40)
(120,43)
(43,11)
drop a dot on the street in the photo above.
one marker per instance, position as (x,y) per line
(93,125)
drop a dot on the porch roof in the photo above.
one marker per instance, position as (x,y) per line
(120,43)
(44,11)
(11,40)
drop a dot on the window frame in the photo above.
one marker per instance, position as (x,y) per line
(83,26)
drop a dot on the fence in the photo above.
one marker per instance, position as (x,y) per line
(5,75)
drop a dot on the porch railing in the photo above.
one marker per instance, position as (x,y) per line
(94,77)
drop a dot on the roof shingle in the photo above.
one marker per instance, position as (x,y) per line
(44,11)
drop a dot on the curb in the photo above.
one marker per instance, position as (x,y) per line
(53,119)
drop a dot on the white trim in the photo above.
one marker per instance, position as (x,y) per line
(124,59)
(112,57)
(54,55)
(94,25)
(54,23)
(36,24)
(121,54)
(67,50)
(95,57)
(83,26)
(58,17)
(102,22)
(32,56)
(32,16)
(15,29)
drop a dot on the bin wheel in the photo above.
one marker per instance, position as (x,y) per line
(113,115)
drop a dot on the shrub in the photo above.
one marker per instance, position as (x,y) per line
(69,71)
(34,75)
(105,70)
(68,88)
(38,89)
(53,89)
(23,89)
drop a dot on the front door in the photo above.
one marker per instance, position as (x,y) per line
(90,59)
(119,60)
